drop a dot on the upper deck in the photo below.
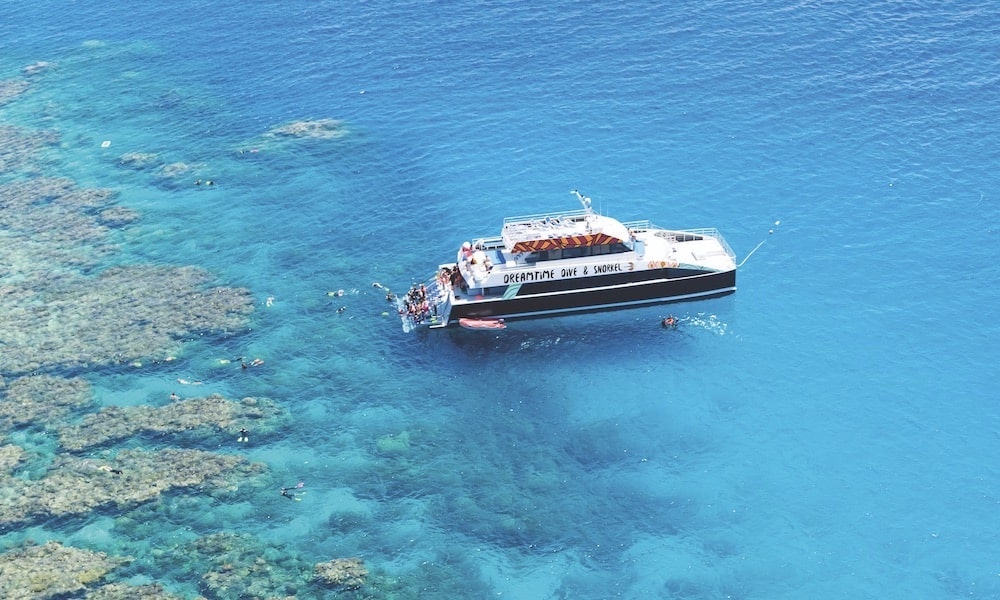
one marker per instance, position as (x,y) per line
(559,230)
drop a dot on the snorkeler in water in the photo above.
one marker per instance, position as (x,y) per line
(288,493)
(670,322)
(244,436)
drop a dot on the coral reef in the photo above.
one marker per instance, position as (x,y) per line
(42,399)
(117,216)
(213,412)
(393,444)
(56,317)
(51,225)
(138,161)
(75,486)
(349,573)
(10,457)
(18,146)
(324,129)
(51,571)
(174,170)
(241,567)
(36,68)
(11,88)
(122,315)
(121,591)
(237,565)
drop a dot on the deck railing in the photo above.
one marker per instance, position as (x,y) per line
(677,235)
(541,217)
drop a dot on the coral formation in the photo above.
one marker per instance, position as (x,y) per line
(324,129)
(393,444)
(243,568)
(75,486)
(11,88)
(117,216)
(54,570)
(122,315)
(19,146)
(121,591)
(173,170)
(213,412)
(10,456)
(138,161)
(51,571)
(349,573)
(51,231)
(36,67)
(66,308)
(41,399)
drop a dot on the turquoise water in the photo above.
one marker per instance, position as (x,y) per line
(828,431)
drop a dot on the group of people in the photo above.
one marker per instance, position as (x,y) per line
(417,305)
(451,277)
(475,255)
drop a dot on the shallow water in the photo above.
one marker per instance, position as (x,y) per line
(826,431)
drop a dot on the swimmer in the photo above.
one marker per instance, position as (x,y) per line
(341,309)
(244,436)
(253,363)
(174,396)
(669,323)
(269,301)
(378,285)
(390,297)
(288,493)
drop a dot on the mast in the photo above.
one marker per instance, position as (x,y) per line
(584,200)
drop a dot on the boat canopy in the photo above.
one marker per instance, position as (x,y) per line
(574,229)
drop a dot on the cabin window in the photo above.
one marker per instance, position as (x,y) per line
(558,253)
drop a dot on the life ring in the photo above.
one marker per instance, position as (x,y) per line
(663,264)
(651,265)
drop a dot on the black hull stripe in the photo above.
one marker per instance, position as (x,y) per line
(605,298)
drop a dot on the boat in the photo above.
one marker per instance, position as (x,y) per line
(482,323)
(570,262)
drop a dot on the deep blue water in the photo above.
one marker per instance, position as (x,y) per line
(829,431)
